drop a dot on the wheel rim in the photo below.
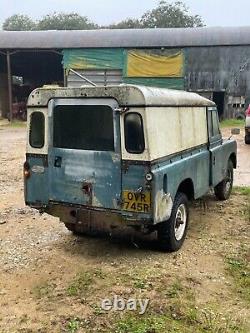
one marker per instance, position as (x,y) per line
(180,222)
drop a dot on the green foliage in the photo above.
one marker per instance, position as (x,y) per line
(62,21)
(73,325)
(239,269)
(243,190)
(165,15)
(19,23)
(141,325)
(231,123)
(80,284)
(170,15)
(129,23)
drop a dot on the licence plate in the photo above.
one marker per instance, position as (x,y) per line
(137,202)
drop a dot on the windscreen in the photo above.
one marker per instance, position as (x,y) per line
(83,127)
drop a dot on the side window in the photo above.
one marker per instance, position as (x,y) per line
(209,122)
(37,126)
(213,122)
(134,136)
(216,129)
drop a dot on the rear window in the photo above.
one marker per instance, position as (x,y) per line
(37,125)
(84,127)
(134,136)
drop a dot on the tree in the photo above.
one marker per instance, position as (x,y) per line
(62,21)
(126,24)
(18,23)
(170,15)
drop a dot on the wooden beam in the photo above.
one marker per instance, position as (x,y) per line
(9,85)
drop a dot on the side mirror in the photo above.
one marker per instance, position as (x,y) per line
(235,131)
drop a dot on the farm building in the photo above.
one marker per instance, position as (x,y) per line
(215,62)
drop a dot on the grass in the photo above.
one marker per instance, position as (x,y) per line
(208,321)
(73,325)
(239,269)
(231,123)
(80,284)
(243,190)
(15,123)
(45,289)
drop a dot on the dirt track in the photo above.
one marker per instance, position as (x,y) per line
(52,281)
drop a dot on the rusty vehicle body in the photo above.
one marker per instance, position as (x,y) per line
(124,156)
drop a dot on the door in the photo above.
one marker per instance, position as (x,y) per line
(215,147)
(84,157)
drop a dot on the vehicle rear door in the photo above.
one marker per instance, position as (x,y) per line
(84,155)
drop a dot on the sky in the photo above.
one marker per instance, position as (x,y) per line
(213,12)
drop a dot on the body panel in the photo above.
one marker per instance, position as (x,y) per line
(86,185)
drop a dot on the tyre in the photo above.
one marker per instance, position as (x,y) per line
(247,139)
(71,227)
(223,189)
(172,233)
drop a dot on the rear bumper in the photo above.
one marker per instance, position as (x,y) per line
(95,218)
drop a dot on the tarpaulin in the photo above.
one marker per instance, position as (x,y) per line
(164,82)
(154,63)
(93,58)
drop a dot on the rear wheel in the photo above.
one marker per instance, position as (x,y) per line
(72,227)
(171,233)
(224,188)
(247,139)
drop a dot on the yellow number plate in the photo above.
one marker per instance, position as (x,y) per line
(137,202)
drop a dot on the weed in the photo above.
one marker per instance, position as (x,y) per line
(44,289)
(215,322)
(243,190)
(73,325)
(150,324)
(80,284)
(239,269)
(174,290)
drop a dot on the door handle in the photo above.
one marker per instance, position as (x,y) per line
(214,160)
(58,162)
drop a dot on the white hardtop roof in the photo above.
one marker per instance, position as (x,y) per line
(126,95)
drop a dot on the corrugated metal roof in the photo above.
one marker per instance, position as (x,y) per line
(135,38)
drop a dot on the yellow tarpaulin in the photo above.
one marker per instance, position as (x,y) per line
(144,64)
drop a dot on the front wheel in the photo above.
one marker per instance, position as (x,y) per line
(224,188)
(171,233)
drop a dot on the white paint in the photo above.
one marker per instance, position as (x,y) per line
(174,129)
(247,121)
(178,123)
(163,205)
(125,94)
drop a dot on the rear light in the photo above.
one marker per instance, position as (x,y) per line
(26,170)
(149,176)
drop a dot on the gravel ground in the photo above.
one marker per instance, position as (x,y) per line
(38,253)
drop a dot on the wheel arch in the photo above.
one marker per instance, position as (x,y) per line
(233,158)
(187,187)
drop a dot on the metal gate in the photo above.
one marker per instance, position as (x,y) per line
(97,77)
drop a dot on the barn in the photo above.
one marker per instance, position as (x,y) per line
(214,62)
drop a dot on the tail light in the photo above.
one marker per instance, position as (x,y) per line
(26,170)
